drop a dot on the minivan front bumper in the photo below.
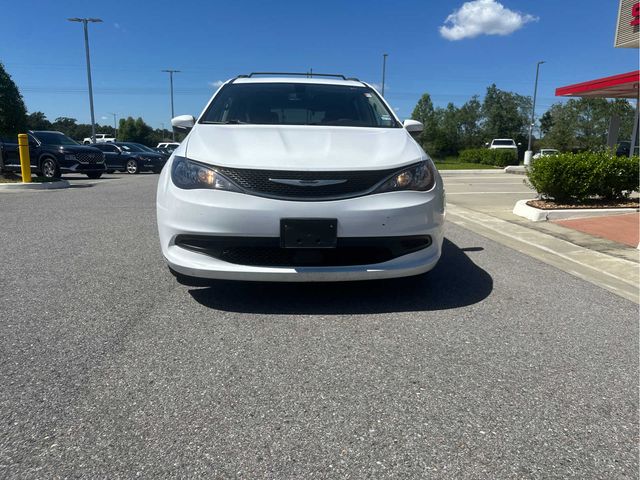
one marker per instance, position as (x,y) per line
(253,223)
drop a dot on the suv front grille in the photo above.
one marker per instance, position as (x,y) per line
(90,158)
(348,184)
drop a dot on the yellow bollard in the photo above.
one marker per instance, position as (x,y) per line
(25,160)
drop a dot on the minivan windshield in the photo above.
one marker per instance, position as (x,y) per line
(504,142)
(299,104)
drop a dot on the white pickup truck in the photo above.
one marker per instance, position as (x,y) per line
(503,143)
(100,138)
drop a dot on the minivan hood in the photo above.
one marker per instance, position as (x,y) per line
(302,147)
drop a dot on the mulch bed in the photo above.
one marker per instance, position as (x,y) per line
(595,203)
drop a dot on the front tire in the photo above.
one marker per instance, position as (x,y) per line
(49,168)
(132,167)
(94,175)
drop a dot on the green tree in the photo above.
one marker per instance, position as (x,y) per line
(126,129)
(66,125)
(13,113)
(506,114)
(425,114)
(130,130)
(469,124)
(546,122)
(559,127)
(583,123)
(38,121)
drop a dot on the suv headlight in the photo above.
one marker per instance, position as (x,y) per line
(190,175)
(418,177)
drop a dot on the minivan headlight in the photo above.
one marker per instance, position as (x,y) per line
(190,175)
(419,177)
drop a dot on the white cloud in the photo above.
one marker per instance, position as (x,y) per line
(483,17)
(216,84)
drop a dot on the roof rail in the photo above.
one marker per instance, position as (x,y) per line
(298,74)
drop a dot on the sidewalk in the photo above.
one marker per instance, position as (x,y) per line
(601,250)
(624,229)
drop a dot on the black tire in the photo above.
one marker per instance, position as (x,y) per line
(94,175)
(49,168)
(110,171)
(132,166)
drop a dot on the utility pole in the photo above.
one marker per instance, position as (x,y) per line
(384,70)
(85,22)
(115,126)
(529,153)
(171,72)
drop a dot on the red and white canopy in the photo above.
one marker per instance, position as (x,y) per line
(624,85)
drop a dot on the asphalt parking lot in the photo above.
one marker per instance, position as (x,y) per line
(494,365)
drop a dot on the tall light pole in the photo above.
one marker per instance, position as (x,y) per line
(85,22)
(115,125)
(384,69)
(171,72)
(528,154)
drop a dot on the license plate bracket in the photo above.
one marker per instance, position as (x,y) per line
(308,232)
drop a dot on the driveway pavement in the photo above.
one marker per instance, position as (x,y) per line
(494,365)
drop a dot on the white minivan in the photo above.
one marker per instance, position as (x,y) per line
(290,177)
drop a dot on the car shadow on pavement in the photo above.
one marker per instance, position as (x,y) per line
(455,282)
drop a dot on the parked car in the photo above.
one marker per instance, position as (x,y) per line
(503,143)
(100,138)
(52,154)
(624,148)
(163,151)
(545,152)
(131,157)
(299,179)
(168,145)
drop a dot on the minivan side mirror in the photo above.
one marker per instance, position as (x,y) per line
(414,127)
(183,123)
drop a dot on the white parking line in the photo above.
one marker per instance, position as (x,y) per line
(482,193)
(483,183)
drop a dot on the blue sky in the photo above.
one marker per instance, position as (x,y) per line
(214,40)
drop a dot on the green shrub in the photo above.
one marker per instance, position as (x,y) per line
(486,156)
(579,176)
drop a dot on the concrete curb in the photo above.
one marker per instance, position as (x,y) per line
(517,169)
(14,187)
(537,215)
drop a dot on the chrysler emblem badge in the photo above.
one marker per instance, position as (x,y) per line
(306,183)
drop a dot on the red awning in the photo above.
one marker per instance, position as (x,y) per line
(617,86)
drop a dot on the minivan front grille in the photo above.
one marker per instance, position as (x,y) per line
(305,185)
